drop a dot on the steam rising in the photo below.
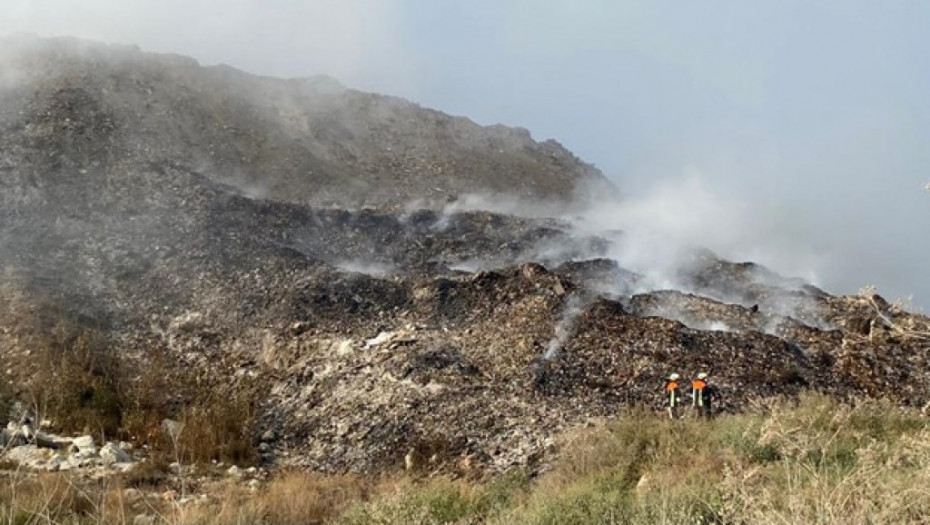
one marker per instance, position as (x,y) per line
(812,130)
(663,227)
(371,268)
(574,307)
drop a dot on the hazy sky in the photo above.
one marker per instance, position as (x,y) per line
(795,133)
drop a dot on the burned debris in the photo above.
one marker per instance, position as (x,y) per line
(240,242)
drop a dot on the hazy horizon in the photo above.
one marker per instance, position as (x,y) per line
(789,134)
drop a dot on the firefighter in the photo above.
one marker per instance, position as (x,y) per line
(673,395)
(702,395)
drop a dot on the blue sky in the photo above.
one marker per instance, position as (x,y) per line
(806,124)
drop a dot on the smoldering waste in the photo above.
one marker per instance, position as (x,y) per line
(385,336)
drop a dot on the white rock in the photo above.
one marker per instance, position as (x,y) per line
(234,471)
(85,445)
(83,457)
(380,339)
(30,456)
(78,461)
(344,347)
(83,442)
(111,453)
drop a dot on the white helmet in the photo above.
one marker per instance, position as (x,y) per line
(674,377)
(702,375)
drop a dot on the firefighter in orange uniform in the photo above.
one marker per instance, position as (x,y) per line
(702,395)
(673,395)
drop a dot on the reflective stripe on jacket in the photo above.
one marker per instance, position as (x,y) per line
(674,394)
(697,392)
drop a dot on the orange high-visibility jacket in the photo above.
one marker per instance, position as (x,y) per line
(673,393)
(697,392)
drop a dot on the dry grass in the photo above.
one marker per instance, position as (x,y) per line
(218,427)
(810,461)
(298,496)
(840,464)
(817,462)
(58,498)
(76,377)
(436,500)
(639,468)
(904,326)
(814,461)
(289,498)
(78,381)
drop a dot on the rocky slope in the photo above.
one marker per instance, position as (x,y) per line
(211,218)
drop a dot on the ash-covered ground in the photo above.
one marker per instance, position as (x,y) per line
(331,252)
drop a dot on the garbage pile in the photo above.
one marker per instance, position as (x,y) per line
(318,246)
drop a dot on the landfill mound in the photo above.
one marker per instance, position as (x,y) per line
(325,255)
(104,112)
(486,370)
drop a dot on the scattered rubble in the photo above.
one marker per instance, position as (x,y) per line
(434,338)
(40,451)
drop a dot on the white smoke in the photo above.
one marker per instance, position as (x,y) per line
(370,268)
(574,307)
(663,228)
(470,266)
(504,204)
